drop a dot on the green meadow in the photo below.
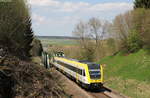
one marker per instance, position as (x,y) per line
(129,74)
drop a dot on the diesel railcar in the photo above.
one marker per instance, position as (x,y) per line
(88,74)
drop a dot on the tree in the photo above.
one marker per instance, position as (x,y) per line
(142,10)
(82,32)
(145,34)
(15,27)
(91,34)
(122,26)
(142,4)
(28,38)
(95,28)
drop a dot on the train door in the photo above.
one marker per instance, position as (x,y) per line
(77,76)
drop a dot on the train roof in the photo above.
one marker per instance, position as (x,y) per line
(73,59)
(86,62)
(81,61)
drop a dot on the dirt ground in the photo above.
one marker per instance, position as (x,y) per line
(70,87)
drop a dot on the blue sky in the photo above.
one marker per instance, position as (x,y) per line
(59,17)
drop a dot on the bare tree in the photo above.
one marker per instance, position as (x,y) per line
(98,29)
(80,31)
(91,34)
(122,26)
(95,28)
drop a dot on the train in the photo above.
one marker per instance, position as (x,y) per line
(88,74)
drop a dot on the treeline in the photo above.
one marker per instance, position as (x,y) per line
(15,27)
(129,32)
(132,28)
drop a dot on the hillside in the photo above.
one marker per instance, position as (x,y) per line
(130,74)
(26,79)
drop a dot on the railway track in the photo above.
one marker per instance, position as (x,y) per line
(106,93)
(100,93)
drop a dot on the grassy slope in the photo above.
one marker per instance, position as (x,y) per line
(125,73)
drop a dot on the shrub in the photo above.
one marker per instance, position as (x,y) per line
(37,48)
(134,42)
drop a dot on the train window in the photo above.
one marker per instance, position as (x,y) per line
(94,66)
(77,70)
(94,70)
(83,72)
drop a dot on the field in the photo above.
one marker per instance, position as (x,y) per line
(60,42)
(129,74)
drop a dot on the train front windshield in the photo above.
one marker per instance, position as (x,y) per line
(94,71)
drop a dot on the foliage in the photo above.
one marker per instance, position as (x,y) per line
(15,27)
(37,48)
(122,26)
(142,4)
(138,17)
(132,30)
(141,25)
(145,35)
(134,42)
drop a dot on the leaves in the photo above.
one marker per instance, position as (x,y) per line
(15,27)
(142,4)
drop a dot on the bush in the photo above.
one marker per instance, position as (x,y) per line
(134,42)
(37,48)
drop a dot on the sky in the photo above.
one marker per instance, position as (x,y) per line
(59,17)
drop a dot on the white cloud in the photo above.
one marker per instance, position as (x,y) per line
(111,6)
(67,6)
(72,7)
(44,2)
(62,21)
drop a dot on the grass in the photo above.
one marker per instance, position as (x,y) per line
(129,74)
